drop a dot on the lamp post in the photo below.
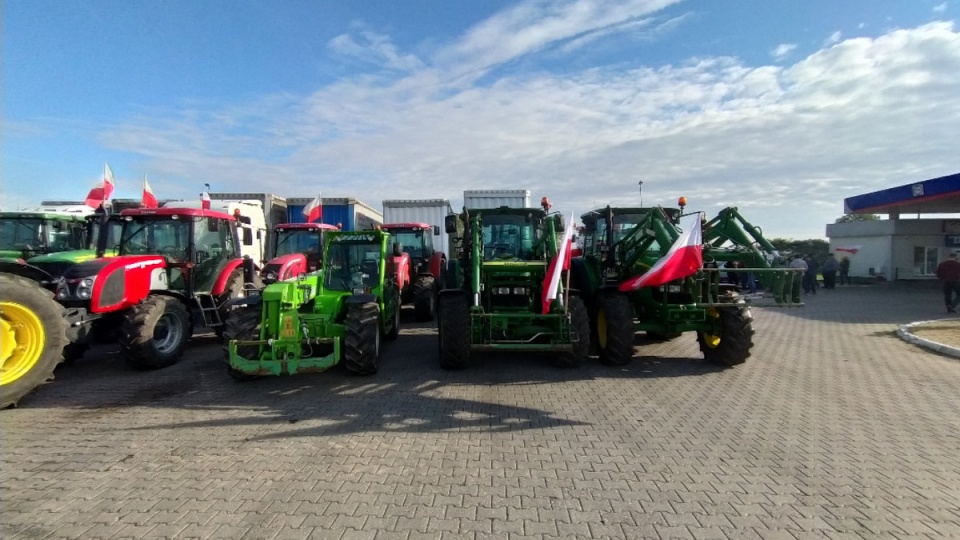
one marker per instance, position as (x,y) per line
(640,189)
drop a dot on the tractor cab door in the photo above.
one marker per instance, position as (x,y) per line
(214,246)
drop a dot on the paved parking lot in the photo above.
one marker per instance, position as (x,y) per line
(835,428)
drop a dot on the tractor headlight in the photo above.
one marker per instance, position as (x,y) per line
(501,290)
(521,290)
(358,290)
(62,291)
(85,289)
(674,288)
(271,275)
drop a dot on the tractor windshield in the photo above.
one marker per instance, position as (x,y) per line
(148,235)
(508,237)
(411,242)
(38,235)
(112,228)
(352,266)
(623,225)
(305,241)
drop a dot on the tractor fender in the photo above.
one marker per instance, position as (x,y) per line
(20,268)
(285,266)
(221,283)
(360,298)
(438,261)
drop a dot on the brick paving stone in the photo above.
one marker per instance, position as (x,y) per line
(834,428)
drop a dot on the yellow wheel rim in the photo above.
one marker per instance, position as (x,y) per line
(21,341)
(602,328)
(711,340)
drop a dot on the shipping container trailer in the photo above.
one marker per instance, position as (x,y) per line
(431,211)
(495,198)
(351,214)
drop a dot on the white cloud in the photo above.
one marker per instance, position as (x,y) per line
(781,51)
(372,47)
(784,143)
(834,38)
(940,9)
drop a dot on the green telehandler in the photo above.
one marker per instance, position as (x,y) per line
(319,319)
(619,244)
(494,300)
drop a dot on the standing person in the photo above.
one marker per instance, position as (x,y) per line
(797,262)
(830,267)
(845,270)
(810,276)
(948,272)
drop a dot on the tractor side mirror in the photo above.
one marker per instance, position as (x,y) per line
(450,224)
(213,224)
(436,230)
(558,223)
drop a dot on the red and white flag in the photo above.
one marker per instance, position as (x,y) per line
(148,200)
(205,200)
(314,210)
(101,193)
(560,262)
(849,249)
(684,258)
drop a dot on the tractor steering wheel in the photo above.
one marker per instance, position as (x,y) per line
(172,252)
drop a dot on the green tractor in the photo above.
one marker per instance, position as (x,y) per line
(103,240)
(319,319)
(622,243)
(494,300)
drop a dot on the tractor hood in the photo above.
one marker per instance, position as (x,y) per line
(516,269)
(96,266)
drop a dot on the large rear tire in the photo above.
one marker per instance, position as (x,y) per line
(730,342)
(454,332)
(32,337)
(361,350)
(425,298)
(614,328)
(154,333)
(242,324)
(580,332)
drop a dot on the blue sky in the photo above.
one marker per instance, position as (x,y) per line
(779,108)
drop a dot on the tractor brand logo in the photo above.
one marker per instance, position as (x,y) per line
(288,331)
(355,238)
(142,264)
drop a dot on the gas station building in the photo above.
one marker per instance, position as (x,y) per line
(900,248)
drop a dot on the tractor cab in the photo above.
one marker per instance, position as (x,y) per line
(27,234)
(298,248)
(355,264)
(197,244)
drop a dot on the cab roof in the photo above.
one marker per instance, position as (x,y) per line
(175,211)
(307,226)
(424,226)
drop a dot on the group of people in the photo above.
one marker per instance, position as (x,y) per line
(831,270)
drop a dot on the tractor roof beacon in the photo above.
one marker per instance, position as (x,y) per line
(494,289)
(174,271)
(622,243)
(319,319)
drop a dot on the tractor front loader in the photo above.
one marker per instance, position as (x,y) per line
(622,243)
(494,295)
(319,319)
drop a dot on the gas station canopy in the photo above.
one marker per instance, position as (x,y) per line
(934,196)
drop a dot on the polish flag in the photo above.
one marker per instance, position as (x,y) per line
(205,200)
(849,249)
(314,210)
(684,258)
(148,200)
(101,193)
(551,282)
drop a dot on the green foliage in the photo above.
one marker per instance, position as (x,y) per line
(850,218)
(818,248)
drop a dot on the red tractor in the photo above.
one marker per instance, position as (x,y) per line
(416,240)
(175,269)
(297,249)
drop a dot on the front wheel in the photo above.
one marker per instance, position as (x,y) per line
(730,340)
(361,343)
(614,328)
(32,337)
(242,324)
(454,332)
(154,333)
(234,289)
(579,333)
